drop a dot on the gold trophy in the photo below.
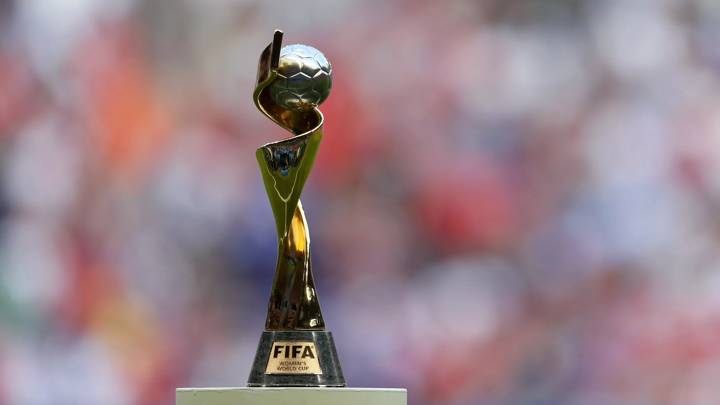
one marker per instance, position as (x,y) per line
(294,349)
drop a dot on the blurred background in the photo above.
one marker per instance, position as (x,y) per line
(515,202)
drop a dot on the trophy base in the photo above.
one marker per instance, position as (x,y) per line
(285,396)
(296,359)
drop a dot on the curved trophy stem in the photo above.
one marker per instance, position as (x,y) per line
(285,166)
(293,301)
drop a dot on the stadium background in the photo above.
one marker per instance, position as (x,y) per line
(516,202)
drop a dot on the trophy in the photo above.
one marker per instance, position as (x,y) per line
(296,361)
(294,349)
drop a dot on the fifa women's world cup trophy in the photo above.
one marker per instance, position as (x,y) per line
(295,349)
(296,361)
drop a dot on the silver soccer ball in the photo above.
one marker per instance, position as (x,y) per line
(304,78)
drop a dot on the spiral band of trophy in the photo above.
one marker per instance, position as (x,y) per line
(295,349)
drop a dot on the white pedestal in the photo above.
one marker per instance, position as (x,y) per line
(291,396)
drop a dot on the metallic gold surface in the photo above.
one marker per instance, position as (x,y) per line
(285,166)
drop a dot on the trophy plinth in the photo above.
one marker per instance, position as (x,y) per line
(284,396)
(271,369)
(295,349)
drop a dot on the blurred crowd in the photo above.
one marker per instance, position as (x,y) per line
(515,201)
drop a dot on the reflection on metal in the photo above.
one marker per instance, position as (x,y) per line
(285,166)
